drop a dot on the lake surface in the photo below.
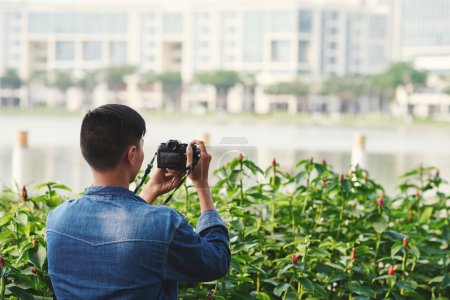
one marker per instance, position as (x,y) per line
(54,153)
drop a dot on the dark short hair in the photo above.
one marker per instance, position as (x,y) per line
(107,131)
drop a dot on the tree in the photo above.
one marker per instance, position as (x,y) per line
(114,78)
(347,88)
(87,84)
(249,83)
(223,81)
(171,86)
(171,82)
(294,88)
(11,81)
(402,73)
(398,74)
(62,81)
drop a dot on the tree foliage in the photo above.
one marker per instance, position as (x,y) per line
(62,81)
(114,76)
(294,88)
(11,80)
(222,80)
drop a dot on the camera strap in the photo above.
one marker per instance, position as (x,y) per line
(149,168)
(147,171)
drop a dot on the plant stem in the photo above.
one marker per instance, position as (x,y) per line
(377,248)
(2,287)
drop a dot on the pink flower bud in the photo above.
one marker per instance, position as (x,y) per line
(380,201)
(341,177)
(274,162)
(391,270)
(405,241)
(2,261)
(353,254)
(295,258)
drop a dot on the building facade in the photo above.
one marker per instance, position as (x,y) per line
(273,41)
(287,37)
(421,33)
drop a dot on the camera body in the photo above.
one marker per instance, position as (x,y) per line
(172,155)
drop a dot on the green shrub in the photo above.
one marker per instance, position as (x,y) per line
(313,234)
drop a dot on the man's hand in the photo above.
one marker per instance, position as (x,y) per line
(161,182)
(199,175)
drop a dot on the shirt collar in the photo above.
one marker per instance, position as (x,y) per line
(113,190)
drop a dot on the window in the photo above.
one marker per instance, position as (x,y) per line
(118,52)
(333,30)
(332,60)
(377,26)
(65,50)
(92,51)
(280,51)
(70,22)
(303,48)
(172,23)
(305,21)
(332,45)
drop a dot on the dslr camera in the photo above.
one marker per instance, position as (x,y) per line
(172,155)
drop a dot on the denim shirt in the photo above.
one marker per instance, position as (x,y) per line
(111,244)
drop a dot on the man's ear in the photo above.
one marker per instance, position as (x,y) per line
(131,154)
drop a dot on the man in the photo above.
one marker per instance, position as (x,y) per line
(110,243)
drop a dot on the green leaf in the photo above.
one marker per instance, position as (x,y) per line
(335,266)
(395,248)
(380,226)
(38,257)
(337,277)
(363,290)
(437,279)
(306,283)
(5,234)
(259,296)
(22,218)
(414,251)
(5,219)
(426,215)
(280,288)
(409,285)
(20,293)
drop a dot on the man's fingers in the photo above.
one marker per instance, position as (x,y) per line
(189,154)
(202,146)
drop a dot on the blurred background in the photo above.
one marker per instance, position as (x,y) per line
(351,82)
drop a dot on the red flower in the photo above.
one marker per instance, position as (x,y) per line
(209,296)
(34,271)
(353,254)
(410,215)
(24,194)
(324,162)
(380,201)
(2,261)
(437,173)
(405,241)
(295,258)
(274,162)
(391,270)
(341,177)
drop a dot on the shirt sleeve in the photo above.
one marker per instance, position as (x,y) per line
(201,255)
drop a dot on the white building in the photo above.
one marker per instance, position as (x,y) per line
(421,33)
(273,40)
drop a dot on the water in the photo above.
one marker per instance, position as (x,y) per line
(55,154)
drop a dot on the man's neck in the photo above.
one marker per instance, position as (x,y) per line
(113,177)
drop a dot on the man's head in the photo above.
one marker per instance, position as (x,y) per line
(112,134)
